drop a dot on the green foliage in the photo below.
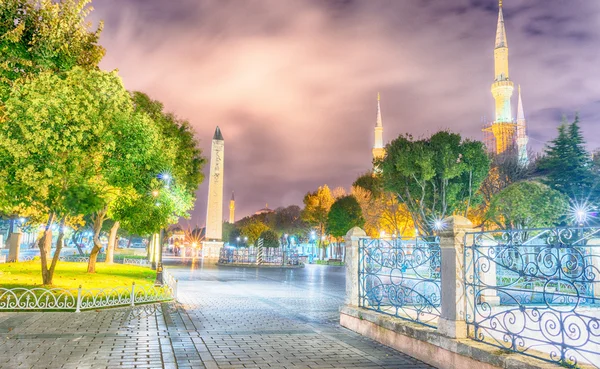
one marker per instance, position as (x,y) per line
(270,239)
(527,204)
(44,35)
(316,209)
(345,213)
(51,141)
(289,220)
(434,177)
(253,230)
(568,167)
(178,135)
(371,183)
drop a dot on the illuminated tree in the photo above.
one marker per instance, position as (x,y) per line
(316,208)
(434,177)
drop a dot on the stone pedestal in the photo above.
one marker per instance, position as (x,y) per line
(14,246)
(211,250)
(452,320)
(352,239)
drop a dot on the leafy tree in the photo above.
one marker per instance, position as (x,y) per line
(370,182)
(253,230)
(316,208)
(270,239)
(345,213)
(289,220)
(527,204)
(43,35)
(568,167)
(51,146)
(434,177)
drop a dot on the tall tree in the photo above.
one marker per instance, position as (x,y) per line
(316,208)
(270,239)
(51,146)
(568,167)
(434,177)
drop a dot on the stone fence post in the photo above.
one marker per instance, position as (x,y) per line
(452,320)
(14,245)
(351,247)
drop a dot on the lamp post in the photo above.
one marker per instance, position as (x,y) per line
(237,242)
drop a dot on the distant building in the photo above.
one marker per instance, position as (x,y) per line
(232,209)
(505,131)
(264,210)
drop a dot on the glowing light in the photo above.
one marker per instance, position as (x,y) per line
(581,213)
(438,224)
(382,234)
(155,193)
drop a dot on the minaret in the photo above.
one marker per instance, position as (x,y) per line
(503,126)
(214,208)
(378,150)
(522,138)
(232,209)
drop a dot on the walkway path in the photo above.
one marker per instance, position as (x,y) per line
(225,318)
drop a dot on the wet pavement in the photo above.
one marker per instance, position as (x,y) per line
(225,317)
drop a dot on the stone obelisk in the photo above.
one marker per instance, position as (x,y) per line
(214,208)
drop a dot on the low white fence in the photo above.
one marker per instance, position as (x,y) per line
(131,261)
(84,299)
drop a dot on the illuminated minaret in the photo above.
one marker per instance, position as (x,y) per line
(522,138)
(378,150)
(503,126)
(232,209)
(214,207)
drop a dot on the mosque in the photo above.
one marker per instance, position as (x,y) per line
(505,132)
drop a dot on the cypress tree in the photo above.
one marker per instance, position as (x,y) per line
(567,165)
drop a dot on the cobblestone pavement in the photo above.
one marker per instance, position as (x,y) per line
(225,318)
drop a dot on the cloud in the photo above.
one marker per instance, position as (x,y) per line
(292,84)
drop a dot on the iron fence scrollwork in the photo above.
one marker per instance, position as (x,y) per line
(401,277)
(536,292)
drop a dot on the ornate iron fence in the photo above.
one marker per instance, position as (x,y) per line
(536,292)
(270,256)
(401,278)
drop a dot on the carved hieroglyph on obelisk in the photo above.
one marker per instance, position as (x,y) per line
(214,208)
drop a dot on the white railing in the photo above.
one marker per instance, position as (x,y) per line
(83,299)
(2,258)
(75,258)
(170,281)
(131,261)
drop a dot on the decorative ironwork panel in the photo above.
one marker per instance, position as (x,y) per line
(132,261)
(536,292)
(401,278)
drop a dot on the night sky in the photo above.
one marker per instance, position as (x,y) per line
(293,83)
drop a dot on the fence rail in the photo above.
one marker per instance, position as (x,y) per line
(84,299)
(401,278)
(536,292)
(270,256)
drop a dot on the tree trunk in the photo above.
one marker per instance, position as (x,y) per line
(59,246)
(98,221)
(44,243)
(112,239)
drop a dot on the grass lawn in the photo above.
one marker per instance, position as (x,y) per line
(71,275)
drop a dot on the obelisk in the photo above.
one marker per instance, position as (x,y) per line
(214,207)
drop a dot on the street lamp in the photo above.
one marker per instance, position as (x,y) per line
(237,244)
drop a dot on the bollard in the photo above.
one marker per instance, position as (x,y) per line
(78,308)
(132,294)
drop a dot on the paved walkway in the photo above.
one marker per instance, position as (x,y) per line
(225,318)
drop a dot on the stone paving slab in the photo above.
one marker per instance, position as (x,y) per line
(224,318)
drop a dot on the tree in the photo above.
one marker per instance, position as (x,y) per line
(345,213)
(270,239)
(568,167)
(505,169)
(434,177)
(289,220)
(253,230)
(51,146)
(45,36)
(316,208)
(527,204)
(370,182)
